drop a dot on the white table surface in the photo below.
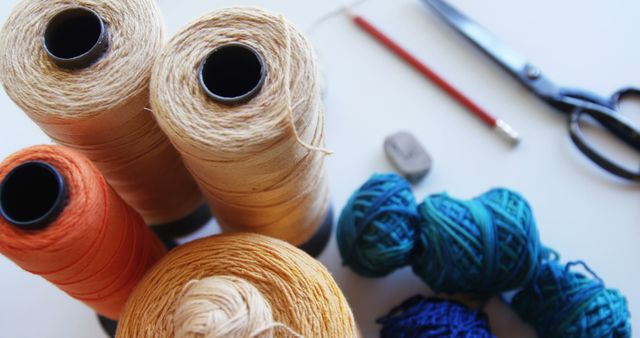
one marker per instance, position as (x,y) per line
(581,211)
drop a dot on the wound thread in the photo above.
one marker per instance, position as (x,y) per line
(224,307)
(259,163)
(300,291)
(482,246)
(96,249)
(98,106)
(432,317)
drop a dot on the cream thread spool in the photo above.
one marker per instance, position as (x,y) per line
(237,92)
(81,71)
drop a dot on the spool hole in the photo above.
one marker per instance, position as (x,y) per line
(32,195)
(232,74)
(75,38)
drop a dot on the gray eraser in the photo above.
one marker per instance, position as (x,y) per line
(408,156)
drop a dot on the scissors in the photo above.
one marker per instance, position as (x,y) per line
(575,103)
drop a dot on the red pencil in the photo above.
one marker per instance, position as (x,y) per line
(498,125)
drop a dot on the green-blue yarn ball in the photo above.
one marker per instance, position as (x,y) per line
(483,246)
(376,229)
(562,303)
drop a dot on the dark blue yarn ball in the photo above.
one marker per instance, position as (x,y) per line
(420,317)
(562,303)
(376,229)
(484,246)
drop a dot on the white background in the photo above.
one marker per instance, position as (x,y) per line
(581,211)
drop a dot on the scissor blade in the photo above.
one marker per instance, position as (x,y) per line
(478,35)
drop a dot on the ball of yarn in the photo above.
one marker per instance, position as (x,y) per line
(223,306)
(300,291)
(486,245)
(568,304)
(420,317)
(376,230)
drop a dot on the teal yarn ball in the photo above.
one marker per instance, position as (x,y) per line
(562,303)
(483,246)
(376,229)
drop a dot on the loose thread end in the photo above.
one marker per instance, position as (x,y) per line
(347,8)
(325,151)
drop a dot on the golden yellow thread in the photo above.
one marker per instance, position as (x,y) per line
(300,291)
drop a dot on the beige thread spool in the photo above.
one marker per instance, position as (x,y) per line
(301,293)
(81,71)
(238,94)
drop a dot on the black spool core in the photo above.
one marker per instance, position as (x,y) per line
(32,195)
(232,74)
(316,245)
(75,38)
(184,226)
(109,326)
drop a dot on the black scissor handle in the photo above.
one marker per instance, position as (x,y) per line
(621,95)
(604,111)
(611,121)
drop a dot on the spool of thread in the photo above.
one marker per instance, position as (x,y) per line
(482,246)
(237,92)
(565,303)
(431,317)
(194,290)
(81,71)
(61,220)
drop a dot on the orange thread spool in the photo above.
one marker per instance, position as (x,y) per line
(95,249)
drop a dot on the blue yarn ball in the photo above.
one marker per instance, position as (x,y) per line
(484,246)
(420,317)
(562,303)
(376,229)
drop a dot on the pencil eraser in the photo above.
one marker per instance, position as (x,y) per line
(408,156)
